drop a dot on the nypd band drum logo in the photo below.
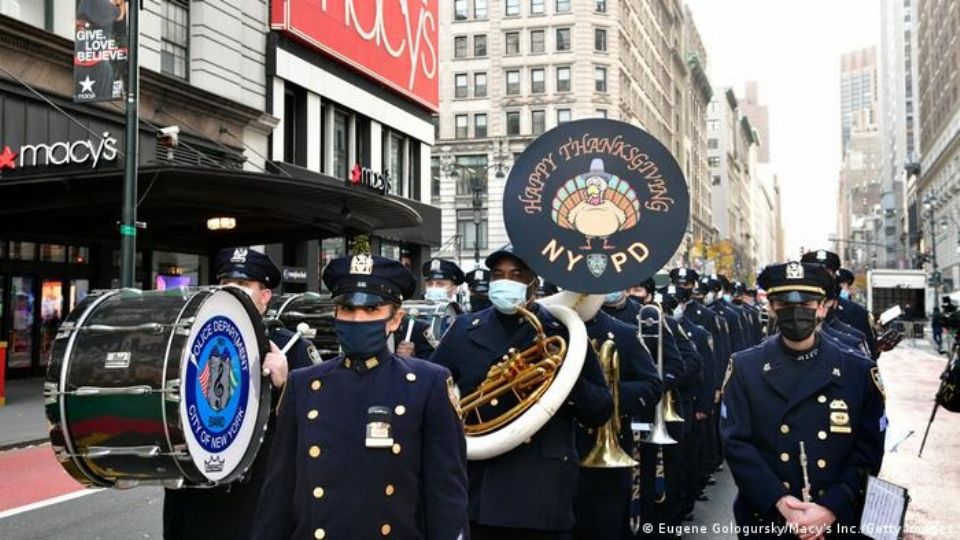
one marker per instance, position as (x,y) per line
(216,392)
(596,205)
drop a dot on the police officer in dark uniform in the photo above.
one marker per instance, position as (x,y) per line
(802,420)
(227,511)
(734,327)
(369,444)
(845,279)
(478,281)
(752,313)
(622,306)
(604,502)
(849,312)
(725,299)
(441,278)
(529,491)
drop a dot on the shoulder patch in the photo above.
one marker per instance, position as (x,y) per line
(875,375)
(726,376)
(454,394)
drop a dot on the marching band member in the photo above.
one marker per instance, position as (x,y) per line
(369,444)
(603,503)
(478,281)
(441,279)
(227,511)
(527,492)
(802,420)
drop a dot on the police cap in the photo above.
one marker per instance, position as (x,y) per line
(245,263)
(796,281)
(505,251)
(845,276)
(684,275)
(442,269)
(364,280)
(478,280)
(827,258)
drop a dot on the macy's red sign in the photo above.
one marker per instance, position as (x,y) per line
(392,41)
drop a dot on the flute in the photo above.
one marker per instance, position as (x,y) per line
(806,475)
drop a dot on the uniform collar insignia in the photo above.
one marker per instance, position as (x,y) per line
(361,264)
(766,367)
(836,372)
(609,335)
(239,255)
(838,405)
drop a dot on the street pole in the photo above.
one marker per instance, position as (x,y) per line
(128,222)
(933,245)
(477,217)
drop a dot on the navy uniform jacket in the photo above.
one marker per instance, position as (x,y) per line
(836,409)
(422,347)
(709,320)
(738,337)
(701,338)
(325,482)
(533,485)
(227,511)
(856,316)
(691,379)
(628,312)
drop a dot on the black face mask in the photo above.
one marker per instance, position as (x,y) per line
(796,323)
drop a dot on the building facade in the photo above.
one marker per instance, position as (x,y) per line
(858,91)
(515,69)
(938,185)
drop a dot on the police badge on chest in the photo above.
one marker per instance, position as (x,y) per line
(379,434)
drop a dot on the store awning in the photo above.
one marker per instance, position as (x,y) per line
(176,202)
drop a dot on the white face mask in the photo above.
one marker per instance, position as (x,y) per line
(678,312)
(709,298)
(436,294)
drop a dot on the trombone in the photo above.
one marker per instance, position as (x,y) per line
(659,434)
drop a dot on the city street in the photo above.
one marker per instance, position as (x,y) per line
(39,500)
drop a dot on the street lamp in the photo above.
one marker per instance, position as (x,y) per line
(477,185)
(929,203)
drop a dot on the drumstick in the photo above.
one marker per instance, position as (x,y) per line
(413,315)
(302,328)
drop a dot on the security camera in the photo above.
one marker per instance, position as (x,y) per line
(169,136)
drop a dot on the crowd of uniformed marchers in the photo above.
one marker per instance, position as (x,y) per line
(776,381)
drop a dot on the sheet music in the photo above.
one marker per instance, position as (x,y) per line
(884,509)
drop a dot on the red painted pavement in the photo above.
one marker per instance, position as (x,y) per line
(30,475)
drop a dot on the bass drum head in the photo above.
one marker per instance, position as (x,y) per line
(223,401)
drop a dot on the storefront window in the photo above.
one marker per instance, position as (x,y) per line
(51,313)
(390,250)
(330,248)
(79,288)
(53,253)
(172,270)
(340,144)
(20,348)
(3,249)
(79,254)
(393,147)
(23,251)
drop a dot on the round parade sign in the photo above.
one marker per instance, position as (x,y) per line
(596,205)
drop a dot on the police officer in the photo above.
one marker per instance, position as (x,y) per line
(441,281)
(802,420)
(527,492)
(227,511)
(368,444)
(849,312)
(845,279)
(604,502)
(734,327)
(725,301)
(478,281)
(741,300)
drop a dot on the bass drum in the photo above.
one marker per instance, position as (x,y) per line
(317,311)
(158,387)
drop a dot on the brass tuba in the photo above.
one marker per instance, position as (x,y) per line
(659,434)
(607,452)
(537,379)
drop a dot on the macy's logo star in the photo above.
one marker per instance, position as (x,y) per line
(7,159)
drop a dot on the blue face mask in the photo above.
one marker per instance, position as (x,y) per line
(613,298)
(845,294)
(506,294)
(436,294)
(360,340)
(728,297)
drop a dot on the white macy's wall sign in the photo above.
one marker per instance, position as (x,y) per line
(61,153)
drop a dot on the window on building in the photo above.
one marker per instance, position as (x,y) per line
(174,39)
(563,115)
(398,151)
(468,168)
(480,125)
(538,42)
(563,6)
(600,39)
(341,141)
(563,39)
(537,81)
(601,113)
(460,10)
(513,82)
(713,161)
(460,47)
(513,122)
(536,7)
(480,9)
(713,125)
(462,125)
(460,85)
(563,79)
(600,79)
(472,233)
(717,180)
(511,7)
(600,6)
(538,122)
(480,85)
(713,143)
(434,177)
(294,125)
(480,45)
(511,42)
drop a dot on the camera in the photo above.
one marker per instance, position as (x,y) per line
(169,136)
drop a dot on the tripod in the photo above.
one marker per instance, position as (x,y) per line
(954,351)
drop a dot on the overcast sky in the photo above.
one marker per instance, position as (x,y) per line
(792,49)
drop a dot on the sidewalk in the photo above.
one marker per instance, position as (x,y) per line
(911,376)
(22,420)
